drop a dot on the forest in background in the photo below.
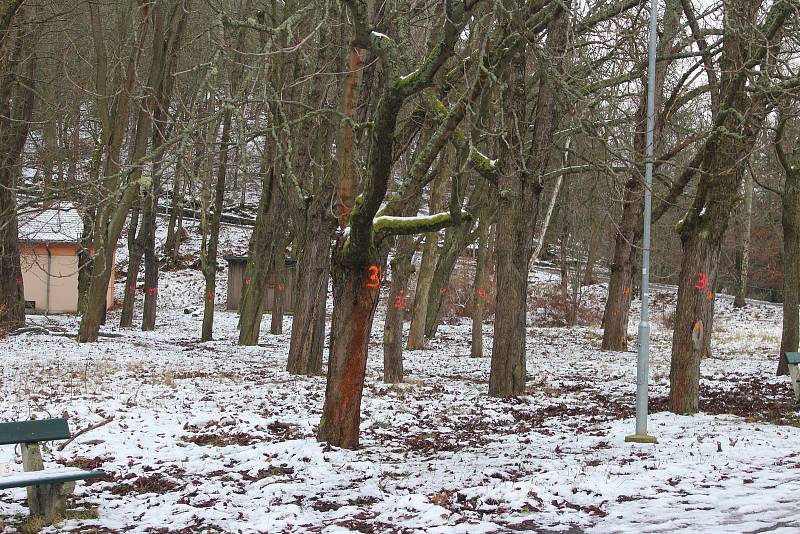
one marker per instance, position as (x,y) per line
(358,134)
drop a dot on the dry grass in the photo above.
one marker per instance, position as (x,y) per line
(33,524)
(666,317)
(459,300)
(557,309)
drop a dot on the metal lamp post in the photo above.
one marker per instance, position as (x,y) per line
(642,366)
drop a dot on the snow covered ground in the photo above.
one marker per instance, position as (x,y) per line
(219,438)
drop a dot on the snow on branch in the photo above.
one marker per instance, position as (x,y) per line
(386,225)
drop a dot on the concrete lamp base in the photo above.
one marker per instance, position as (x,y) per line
(641,438)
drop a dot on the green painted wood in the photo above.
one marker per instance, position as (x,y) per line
(48,476)
(33,431)
(793,357)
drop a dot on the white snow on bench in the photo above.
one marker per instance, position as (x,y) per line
(48,476)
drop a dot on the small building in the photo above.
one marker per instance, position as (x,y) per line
(236,268)
(49,243)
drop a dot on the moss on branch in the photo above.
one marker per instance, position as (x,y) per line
(385,226)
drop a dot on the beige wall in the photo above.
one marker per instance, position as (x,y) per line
(63,277)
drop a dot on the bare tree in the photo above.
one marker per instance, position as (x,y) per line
(16,104)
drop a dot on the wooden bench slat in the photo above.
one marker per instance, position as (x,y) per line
(48,476)
(33,431)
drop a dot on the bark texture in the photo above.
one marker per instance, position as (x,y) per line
(517,213)
(16,107)
(311,291)
(396,310)
(702,228)
(430,250)
(260,253)
(743,253)
(480,294)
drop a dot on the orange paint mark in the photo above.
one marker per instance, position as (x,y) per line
(709,295)
(442,290)
(280,287)
(210,295)
(702,281)
(152,290)
(697,325)
(374,276)
(626,291)
(482,293)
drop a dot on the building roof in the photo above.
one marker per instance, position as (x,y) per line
(59,223)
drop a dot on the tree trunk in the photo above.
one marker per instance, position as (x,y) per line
(102,264)
(208,254)
(430,250)
(85,259)
(480,295)
(180,183)
(311,280)
(149,220)
(517,213)
(620,285)
(279,269)
(743,254)
(260,255)
(356,269)
(356,298)
(456,241)
(396,309)
(692,328)
(177,181)
(118,194)
(135,242)
(702,228)
(627,252)
(790,219)
(14,125)
(591,259)
(12,291)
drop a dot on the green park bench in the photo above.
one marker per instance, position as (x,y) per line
(793,359)
(47,488)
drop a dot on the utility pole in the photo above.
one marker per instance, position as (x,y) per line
(642,365)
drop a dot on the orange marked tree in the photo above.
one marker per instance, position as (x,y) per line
(746,44)
(359,251)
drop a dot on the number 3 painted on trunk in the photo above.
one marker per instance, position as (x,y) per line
(374,272)
(702,281)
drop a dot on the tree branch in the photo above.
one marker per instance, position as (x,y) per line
(385,225)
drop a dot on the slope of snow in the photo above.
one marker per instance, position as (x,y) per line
(214,437)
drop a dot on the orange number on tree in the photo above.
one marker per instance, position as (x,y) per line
(374,276)
(702,281)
